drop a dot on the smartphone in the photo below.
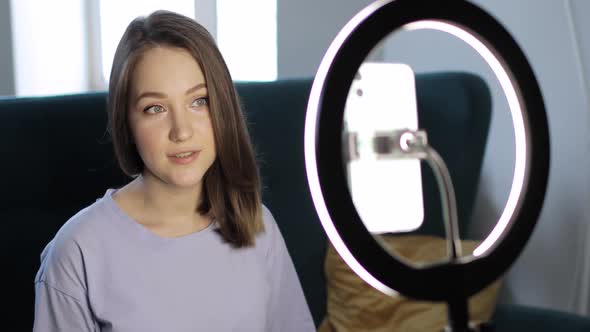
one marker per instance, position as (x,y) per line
(387,192)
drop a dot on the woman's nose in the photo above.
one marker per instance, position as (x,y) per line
(180,129)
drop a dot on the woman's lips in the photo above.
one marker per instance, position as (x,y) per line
(183,160)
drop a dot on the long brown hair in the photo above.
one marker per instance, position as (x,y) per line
(231,186)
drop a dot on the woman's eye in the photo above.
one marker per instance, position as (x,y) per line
(200,102)
(154,109)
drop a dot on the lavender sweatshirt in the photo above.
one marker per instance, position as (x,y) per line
(105,272)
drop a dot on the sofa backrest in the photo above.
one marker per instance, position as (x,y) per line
(455,109)
(55,161)
(58,159)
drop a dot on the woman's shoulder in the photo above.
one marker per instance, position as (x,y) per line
(270,224)
(66,250)
(87,222)
(64,258)
(267,217)
(271,236)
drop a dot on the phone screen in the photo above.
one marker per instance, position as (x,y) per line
(387,193)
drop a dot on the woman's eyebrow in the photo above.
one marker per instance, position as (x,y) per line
(195,88)
(163,95)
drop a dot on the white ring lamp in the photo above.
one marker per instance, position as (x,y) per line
(464,277)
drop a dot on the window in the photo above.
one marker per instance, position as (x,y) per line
(247,38)
(245,31)
(80,59)
(49,47)
(115,15)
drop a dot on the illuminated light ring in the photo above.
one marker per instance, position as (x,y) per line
(325,166)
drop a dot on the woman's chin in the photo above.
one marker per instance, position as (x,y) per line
(186,182)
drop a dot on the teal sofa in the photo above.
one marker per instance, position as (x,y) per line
(57,159)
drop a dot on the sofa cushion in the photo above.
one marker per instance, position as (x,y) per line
(354,305)
(517,318)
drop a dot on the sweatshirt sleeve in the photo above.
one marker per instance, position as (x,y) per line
(58,311)
(60,289)
(288,308)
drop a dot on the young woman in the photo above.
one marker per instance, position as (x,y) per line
(187,244)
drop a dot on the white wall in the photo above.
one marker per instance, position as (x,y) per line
(206,15)
(306,29)
(581,30)
(6,65)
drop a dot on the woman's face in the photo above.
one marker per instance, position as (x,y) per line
(169,117)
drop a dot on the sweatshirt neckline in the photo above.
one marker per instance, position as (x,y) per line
(143,231)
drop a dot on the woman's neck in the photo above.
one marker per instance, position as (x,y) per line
(165,204)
